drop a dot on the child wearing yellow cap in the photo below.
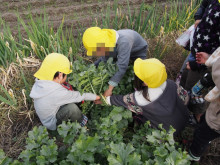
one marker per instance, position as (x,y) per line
(155,98)
(54,100)
(123,45)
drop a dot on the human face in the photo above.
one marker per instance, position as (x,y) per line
(100,51)
(63,79)
(60,78)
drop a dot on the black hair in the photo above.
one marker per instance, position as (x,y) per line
(57,74)
(139,85)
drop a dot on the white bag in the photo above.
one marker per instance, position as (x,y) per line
(186,37)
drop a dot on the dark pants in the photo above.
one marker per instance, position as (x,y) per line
(69,112)
(203,135)
(188,80)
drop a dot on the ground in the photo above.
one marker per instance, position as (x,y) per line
(15,125)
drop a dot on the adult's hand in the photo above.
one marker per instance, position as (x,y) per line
(188,66)
(197,22)
(201,57)
(108,92)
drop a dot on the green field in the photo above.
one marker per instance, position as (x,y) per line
(32,29)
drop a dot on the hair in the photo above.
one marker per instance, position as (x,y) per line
(139,85)
(57,74)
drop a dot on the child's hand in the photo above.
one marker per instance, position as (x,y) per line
(201,57)
(98,102)
(97,98)
(197,22)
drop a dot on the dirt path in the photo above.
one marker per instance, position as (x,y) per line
(75,12)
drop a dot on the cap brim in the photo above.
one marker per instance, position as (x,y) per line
(70,71)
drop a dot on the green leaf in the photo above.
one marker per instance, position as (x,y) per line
(41,160)
(4,160)
(160,151)
(122,154)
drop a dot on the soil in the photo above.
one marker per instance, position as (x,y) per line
(75,13)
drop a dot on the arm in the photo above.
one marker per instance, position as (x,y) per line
(65,96)
(124,50)
(198,15)
(202,57)
(126,101)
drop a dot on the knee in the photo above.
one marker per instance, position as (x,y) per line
(75,113)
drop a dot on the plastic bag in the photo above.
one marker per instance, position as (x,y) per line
(186,39)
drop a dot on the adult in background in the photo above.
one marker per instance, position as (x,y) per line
(206,39)
(209,126)
(122,45)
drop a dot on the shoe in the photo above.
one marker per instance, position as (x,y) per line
(192,157)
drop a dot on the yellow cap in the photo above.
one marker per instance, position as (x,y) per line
(94,36)
(151,71)
(53,63)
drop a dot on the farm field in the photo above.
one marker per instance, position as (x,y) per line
(30,29)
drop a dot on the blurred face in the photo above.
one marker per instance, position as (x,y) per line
(100,51)
(60,78)
(63,79)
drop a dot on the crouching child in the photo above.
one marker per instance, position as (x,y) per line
(155,98)
(54,102)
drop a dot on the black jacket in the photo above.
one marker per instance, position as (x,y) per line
(205,3)
(207,34)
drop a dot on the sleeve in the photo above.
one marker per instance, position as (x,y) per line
(104,59)
(66,96)
(126,101)
(198,15)
(124,50)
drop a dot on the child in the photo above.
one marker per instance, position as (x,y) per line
(155,98)
(53,102)
(122,45)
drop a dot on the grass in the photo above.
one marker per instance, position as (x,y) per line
(41,38)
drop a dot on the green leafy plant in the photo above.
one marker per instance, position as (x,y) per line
(39,149)
(122,154)
(103,146)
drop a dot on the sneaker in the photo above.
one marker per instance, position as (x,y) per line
(192,157)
